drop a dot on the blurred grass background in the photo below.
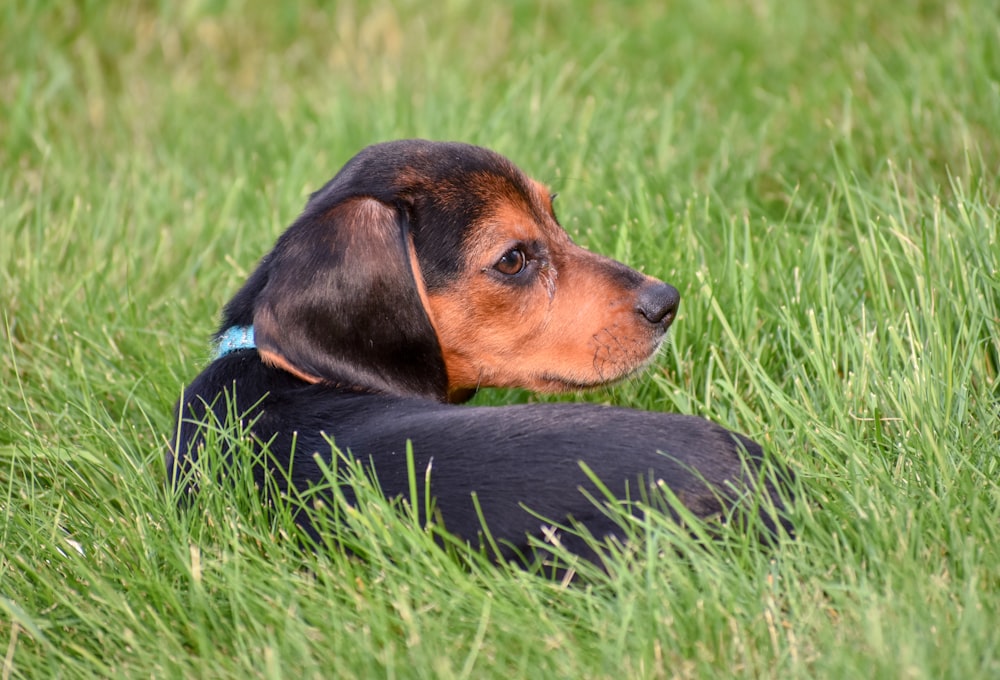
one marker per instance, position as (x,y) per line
(820,181)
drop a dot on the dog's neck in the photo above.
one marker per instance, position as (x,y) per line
(236,338)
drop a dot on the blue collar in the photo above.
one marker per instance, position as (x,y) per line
(234,339)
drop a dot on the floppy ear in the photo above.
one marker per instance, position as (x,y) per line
(341,303)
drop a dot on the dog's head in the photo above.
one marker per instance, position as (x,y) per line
(433,269)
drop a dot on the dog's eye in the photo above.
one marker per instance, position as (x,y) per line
(512,262)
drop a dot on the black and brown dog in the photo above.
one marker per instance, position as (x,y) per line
(420,273)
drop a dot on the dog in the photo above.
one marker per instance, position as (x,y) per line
(421,273)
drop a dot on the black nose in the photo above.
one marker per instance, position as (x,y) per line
(658,303)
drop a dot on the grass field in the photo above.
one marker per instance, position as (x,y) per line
(820,180)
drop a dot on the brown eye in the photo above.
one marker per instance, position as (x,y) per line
(512,262)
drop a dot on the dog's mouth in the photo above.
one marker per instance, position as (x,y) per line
(606,370)
(551,383)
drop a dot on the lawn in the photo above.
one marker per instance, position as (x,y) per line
(820,180)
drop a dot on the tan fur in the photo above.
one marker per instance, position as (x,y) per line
(574,327)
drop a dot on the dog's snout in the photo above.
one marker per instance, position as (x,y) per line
(658,303)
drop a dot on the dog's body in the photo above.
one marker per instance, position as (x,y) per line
(420,273)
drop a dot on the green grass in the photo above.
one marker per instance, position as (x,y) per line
(820,180)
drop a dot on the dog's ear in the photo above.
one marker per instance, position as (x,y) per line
(342,303)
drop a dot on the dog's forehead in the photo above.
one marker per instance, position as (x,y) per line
(447,169)
(469,184)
